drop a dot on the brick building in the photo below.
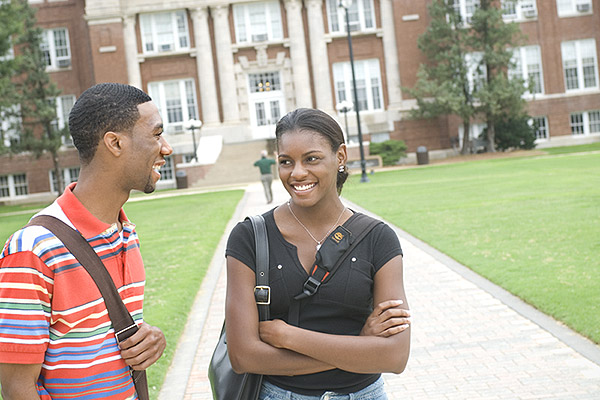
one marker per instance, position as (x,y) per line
(239,66)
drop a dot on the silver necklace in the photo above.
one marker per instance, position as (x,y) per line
(310,234)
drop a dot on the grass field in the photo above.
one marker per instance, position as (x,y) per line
(531,225)
(178,237)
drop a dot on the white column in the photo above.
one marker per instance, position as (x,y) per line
(131,53)
(319,57)
(390,52)
(205,67)
(225,63)
(298,55)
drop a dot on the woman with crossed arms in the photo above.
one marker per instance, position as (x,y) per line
(357,325)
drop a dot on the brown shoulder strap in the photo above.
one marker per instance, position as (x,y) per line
(87,257)
(122,321)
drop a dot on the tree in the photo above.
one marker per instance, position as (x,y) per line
(443,86)
(467,72)
(11,24)
(500,97)
(31,94)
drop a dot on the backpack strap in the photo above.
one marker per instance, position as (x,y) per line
(262,290)
(335,249)
(121,319)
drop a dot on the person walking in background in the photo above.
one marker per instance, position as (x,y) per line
(56,338)
(357,325)
(266,175)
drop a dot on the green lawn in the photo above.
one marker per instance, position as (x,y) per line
(573,149)
(531,225)
(178,237)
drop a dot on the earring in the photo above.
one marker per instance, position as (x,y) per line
(341,168)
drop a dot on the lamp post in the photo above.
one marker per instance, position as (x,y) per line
(345,4)
(345,106)
(192,125)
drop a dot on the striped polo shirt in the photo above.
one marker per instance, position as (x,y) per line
(51,311)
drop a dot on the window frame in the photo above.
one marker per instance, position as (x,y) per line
(188,103)
(272,93)
(577,65)
(523,10)
(49,45)
(244,26)
(9,184)
(586,121)
(521,67)
(70,175)
(361,13)
(150,32)
(570,8)
(8,134)
(462,9)
(371,69)
(62,115)
(544,127)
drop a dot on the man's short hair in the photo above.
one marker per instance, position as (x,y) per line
(102,108)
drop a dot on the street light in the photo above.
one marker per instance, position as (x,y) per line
(345,106)
(192,125)
(345,4)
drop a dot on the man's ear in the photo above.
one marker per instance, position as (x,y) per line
(113,142)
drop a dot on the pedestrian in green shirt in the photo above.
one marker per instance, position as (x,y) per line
(266,175)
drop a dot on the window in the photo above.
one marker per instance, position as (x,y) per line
(476,130)
(466,9)
(361,16)
(164,32)
(10,53)
(518,9)
(55,48)
(585,123)
(176,102)
(166,172)
(580,64)
(541,124)
(379,137)
(527,64)
(9,121)
(573,7)
(13,185)
(266,98)
(63,108)
(70,175)
(368,84)
(257,22)
(477,74)
(4,187)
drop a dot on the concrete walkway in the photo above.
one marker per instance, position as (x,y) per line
(470,338)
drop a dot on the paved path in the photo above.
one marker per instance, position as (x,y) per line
(470,338)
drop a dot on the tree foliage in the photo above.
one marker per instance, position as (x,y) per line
(456,50)
(29,96)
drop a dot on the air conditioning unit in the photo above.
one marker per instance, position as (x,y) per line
(583,7)
(260,38)
(530,13)
(64,63)
(165,47)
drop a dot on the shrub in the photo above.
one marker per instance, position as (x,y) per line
(391,151)
(515,133)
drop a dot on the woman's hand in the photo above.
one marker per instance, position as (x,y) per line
(387,319)
(273,332)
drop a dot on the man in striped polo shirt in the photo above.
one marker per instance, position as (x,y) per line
(56,339)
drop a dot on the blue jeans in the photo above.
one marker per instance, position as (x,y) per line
(374,391)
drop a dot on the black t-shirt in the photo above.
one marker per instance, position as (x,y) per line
(341,305)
